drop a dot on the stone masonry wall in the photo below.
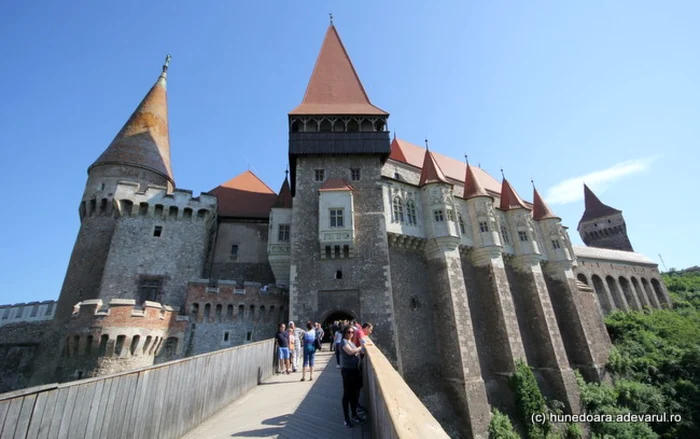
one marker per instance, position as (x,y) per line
(20,344)
(367,272)
(250,263)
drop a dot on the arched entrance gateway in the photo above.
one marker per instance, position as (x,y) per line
(330,317)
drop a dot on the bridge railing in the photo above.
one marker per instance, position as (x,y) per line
(165,400)
(396,410)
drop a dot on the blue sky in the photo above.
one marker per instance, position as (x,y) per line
(551,90)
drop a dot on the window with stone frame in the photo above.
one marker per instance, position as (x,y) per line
(398,210)
(460,220)
(483,226)
(336,218)
(411,213)
(555,244)
(355,174)
(450,215)
(438,215)
(505,235)
(149,288)
(522,236)
(234,252)
(283,233)
(319,175)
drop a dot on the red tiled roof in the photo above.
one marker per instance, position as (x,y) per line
(540,209)
(335,184)
(144,140)
(334,87)
(414,155)
(510,199)
(284,199)
(594,207)
(244,196)
(472,186)
(430,171)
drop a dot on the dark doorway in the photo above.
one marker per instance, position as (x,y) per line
(327,324)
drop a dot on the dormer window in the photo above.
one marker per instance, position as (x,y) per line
(336,218)
(319,175)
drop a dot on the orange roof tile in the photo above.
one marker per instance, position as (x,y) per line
(334,87)
(594,207)
(430,171)
(406,152)
(284,199)
(540,210)
(244,196)
(472,186)
(144,140)
(335,184)
(510,199)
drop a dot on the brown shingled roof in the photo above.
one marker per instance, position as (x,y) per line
(284,199)
(334,87)
(414,155)
(594,207)
(430,171)
(510,199)
(244,196)
(540,209)
(335,184)
(472,186)
(144,141)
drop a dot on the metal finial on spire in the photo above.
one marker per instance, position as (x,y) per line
(167,63)
(286,172)
(330,14)
(502,174)
(426,143)
(533,183)
(466,159)
(394,134)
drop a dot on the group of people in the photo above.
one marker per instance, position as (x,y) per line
(348,342)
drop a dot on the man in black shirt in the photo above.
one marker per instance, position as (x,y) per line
(282,343)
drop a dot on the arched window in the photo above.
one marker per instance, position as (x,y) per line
(460,220)
(325,126)
(411,212)
(338,125)
(398,209)
(353,126)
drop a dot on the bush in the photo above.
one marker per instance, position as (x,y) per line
(529,401)
(500,427)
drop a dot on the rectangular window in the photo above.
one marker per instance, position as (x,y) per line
(283,235)
(319,175)
(226,334)
(450,215)
(336,217)
(149,288)
(483,226)
(505,235)
(522,235)
(234,251)
(461,224)
(249,336)
(355,174)
(438,215)
(555,244)
(158,231)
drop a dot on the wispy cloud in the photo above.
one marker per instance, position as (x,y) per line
(571,189)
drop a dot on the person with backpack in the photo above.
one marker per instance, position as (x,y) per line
(309,340)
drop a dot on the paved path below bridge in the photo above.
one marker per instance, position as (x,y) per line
(284,407)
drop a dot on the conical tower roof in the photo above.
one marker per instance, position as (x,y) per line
(244,196)
(510,199)
(144,140)
(594,207)
(284,199)
(540,209)
(334,87)
(472,186)
(431,172)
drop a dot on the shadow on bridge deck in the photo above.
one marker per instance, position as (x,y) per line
(284,407)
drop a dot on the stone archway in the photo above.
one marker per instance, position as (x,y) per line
(326,320)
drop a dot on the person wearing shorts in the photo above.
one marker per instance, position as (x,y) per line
(309,351)
(282,342)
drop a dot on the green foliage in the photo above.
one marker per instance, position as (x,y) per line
(529,401)
(572,431)
(500,427)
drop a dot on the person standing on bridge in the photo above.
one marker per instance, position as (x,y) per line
(297,354)
(282,343)
(309,340)
(349,369)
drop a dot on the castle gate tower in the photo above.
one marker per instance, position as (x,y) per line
(602,226)
(140,153)
(338,142)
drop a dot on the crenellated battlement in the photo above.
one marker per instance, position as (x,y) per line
(27,312)
(125,313)
(156,201)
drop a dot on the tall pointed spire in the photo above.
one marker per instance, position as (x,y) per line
(144,140)
(472,186)
(594,207)
(540,209)
(334,87)
(284,199)
(431,172)
(509,198)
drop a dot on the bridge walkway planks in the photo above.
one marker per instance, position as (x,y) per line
(283,407)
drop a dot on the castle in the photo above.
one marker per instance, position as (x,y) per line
(364,226)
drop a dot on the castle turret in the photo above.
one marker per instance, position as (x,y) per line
(437,197)
(602,226)
(518,216)
(487,243)
(140,153)
(278,247)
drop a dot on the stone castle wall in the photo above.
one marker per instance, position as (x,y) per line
(250,262)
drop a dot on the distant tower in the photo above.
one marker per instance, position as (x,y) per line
(602,226)
(140,153)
